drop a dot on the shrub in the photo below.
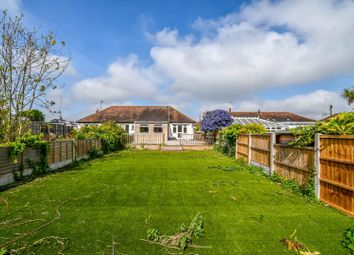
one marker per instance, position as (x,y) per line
(349,240)
(109,133)
(341,124)
(29,141)
(227,136)
(253,128)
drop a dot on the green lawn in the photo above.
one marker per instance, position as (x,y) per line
(124,194)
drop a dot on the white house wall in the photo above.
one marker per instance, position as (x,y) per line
(184,135)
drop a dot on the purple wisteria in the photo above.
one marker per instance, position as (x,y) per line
(215,120)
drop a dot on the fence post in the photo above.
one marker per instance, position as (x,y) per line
(73,150)
(317,165)
(60,152)
(53,152)
(236,147)
(272,152)
(249,148)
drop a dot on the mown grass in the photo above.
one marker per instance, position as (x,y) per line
(126,193)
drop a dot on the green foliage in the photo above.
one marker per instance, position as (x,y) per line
(196,228)
(3,251)
(307,190)
(183,238)
(153,234)
(348,95)
(305,136)
(29,141)
(34,115)
(348,241)
(109,133)
(227,136)
(93,152)
(26,141)
(253,128)
(341,124)
(18,175)
(197,126)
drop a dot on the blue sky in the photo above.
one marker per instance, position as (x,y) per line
(201,54)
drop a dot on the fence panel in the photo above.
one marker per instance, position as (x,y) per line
(195,139)
(7,165)
(337,172)
(294,163)
(260,149)
(59,151)
(127,138)
(242,146)
(149,138)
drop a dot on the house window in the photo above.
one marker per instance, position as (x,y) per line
(179,129)
(127,128)
(157,129)
(144,129)
(174,129)
(185,129)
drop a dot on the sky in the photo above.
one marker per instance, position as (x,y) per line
(200,55)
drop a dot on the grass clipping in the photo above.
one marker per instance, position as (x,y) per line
(182,239)
(293,244)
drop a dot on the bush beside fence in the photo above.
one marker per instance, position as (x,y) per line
(331,161)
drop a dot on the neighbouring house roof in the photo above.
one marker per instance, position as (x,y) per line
(330,117)
(255,120)
(273,116)
(130,114)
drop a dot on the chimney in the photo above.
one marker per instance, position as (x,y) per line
(259,112)
(230,110)
(330,110)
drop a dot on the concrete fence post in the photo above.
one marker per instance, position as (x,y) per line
(317,165)
(73,149)
(272,152)
(236,148)
(249,148)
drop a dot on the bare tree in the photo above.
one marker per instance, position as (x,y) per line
(30,65)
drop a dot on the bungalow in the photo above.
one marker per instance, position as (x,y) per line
(273,121)
(163,120)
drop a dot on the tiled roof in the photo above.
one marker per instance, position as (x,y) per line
(129,114)
(273,116)
(330,117)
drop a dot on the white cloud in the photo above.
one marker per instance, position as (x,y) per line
(125,80)
(267,44)
(12,6)
(312,105)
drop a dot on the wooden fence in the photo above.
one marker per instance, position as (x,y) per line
(196,139)
(336,175)
(331,161)
(149,138)
(294,163)
(127,138)
(8,165)
(60,153)
(261,150)
(243,148)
